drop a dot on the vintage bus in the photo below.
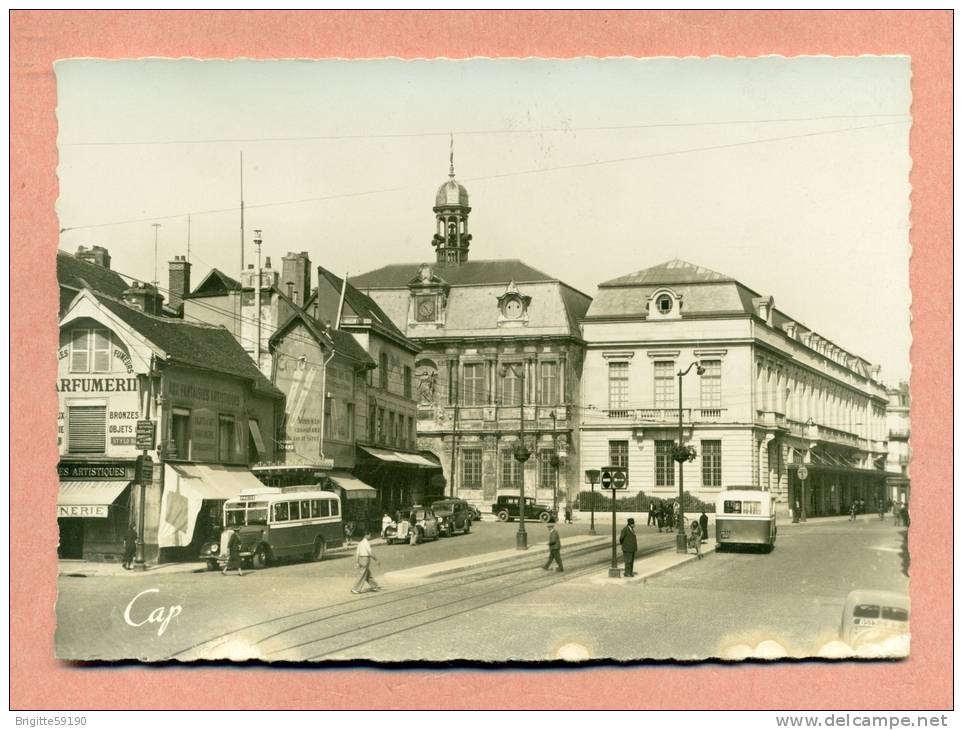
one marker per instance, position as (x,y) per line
(279,523)
(745,517)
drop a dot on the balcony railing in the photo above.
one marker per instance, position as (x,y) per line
(665,415)
(537,417)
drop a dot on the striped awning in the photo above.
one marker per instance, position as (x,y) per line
(399,457)
(89,493)
(353,488)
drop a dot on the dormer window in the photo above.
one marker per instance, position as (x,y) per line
(664,303)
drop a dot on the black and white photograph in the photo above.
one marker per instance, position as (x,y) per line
(484,361)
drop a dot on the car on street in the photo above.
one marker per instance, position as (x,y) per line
(453,516)
(417,524)
(476,514)
(506,509)
(872,617)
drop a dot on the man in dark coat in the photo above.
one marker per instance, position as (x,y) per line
(704,524)
(629,545)
(652,518)
(554,548)
(130,547)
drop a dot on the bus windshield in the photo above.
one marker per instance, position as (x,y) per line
(741,507)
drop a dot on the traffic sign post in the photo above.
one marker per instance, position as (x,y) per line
(145,435)
(614,478)
(803,474)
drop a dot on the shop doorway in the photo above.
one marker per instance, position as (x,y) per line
(71,538)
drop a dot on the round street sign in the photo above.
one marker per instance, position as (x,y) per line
(618,480)
(606,479)
(802,473)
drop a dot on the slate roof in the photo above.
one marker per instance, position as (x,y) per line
(189,343)
(77,274)
(498,271)
(342,342)
(216,282)
(675,271)
(363,305)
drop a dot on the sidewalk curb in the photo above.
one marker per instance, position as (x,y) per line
(539,550)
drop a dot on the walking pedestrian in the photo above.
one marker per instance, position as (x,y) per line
(704,526)
(796,512)
(385,524)
(232,547)
(130,546)
(652,518)
(904,515)
(364,555)
(554,548)
(568,514)
(852,512)
(695,537)
(629,545)
(896,514)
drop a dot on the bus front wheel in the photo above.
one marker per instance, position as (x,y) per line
(319,548)
(262,557)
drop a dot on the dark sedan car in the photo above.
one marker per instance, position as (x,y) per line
(453,516)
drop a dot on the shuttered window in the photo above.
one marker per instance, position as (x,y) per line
(80,351)
(90,351)
(87,429)
(101,351)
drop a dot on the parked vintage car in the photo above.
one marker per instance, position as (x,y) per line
(506,508)
(476,514)
(417,525)
(453,516)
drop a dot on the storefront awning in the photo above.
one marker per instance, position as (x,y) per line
(398,457)
(88,499)
(186,486)
(215,481)
(353,488)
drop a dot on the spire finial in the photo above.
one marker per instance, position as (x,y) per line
(451,156)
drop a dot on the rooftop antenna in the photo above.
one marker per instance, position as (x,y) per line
(257,298)
(155,226)
(242,212)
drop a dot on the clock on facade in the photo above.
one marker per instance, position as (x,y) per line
(513,309)
(426,309)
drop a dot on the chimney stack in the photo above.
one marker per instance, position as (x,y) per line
(96,255)
(179,278)
(144,297)
(296,267)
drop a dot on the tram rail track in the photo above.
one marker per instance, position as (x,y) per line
(278,639)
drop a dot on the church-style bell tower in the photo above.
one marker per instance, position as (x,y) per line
(451,239)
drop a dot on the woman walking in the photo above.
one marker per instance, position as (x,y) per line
(695,537)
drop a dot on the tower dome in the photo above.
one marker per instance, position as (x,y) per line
(451,193)
(451,239)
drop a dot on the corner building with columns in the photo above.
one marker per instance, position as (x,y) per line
(774,396)
(494,335)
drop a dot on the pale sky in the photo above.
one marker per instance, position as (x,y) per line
(790,175)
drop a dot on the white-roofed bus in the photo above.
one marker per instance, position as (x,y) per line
(745,517)
(301,521)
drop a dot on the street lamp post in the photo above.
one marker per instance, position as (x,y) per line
(521,454)
(593,476)
(682,455)
(811,432)
(555,461)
